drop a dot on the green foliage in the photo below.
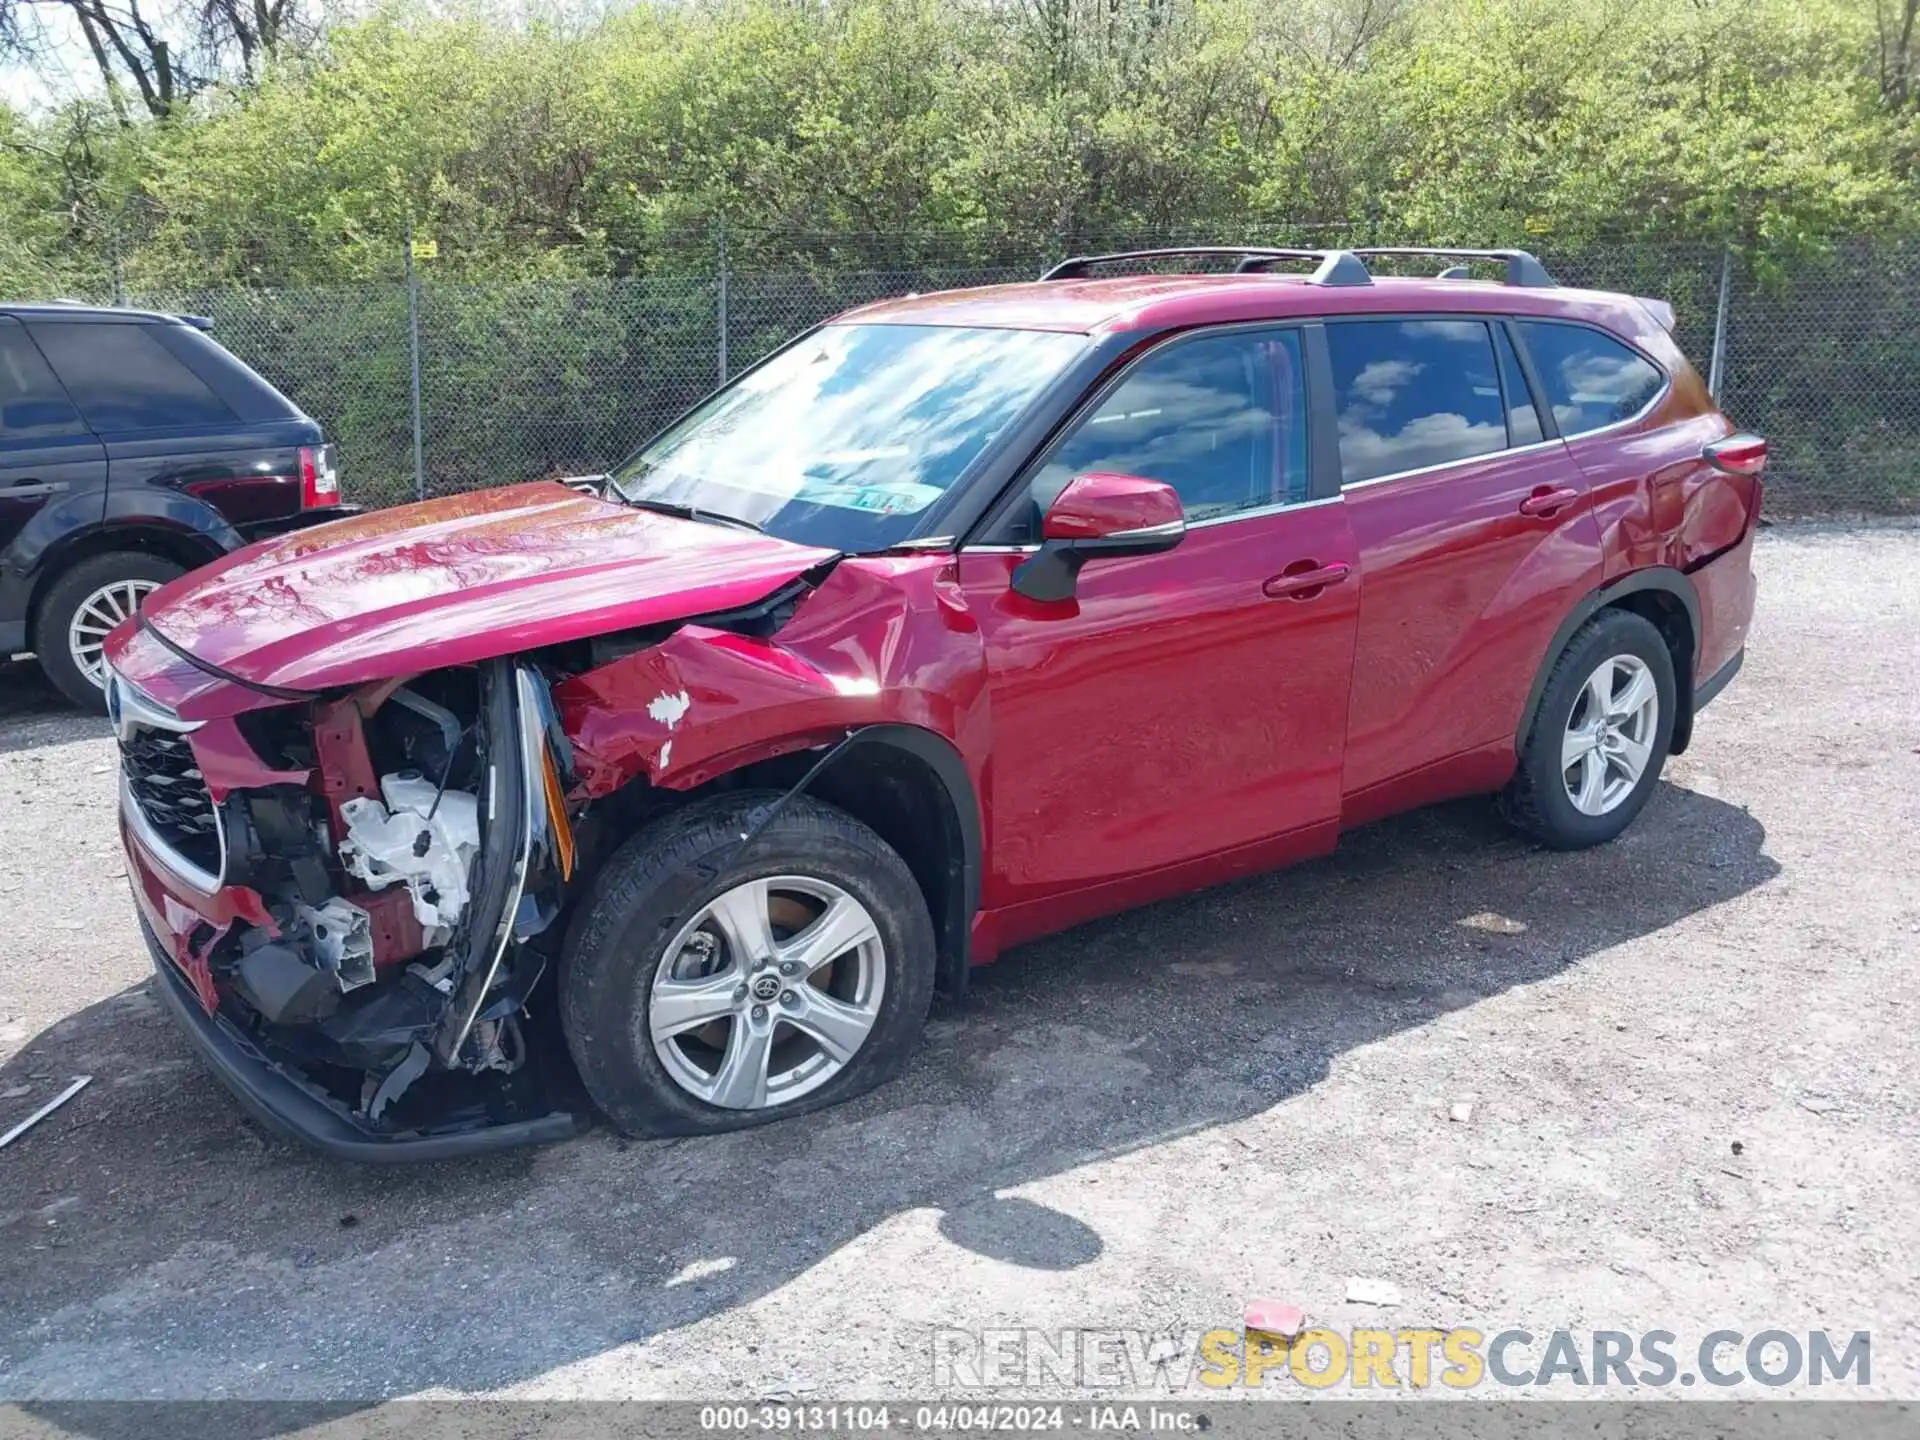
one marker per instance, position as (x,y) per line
(606,147)
(849,148)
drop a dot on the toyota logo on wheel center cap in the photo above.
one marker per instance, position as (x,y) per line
(765,987)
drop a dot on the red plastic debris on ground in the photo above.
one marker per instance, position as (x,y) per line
(1270,1317)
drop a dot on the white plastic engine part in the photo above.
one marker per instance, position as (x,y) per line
(398,843)
(342,940)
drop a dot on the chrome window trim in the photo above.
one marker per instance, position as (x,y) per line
(1151,532)
(1262,510)
(1666,389)
(1449,464)
(1231,518)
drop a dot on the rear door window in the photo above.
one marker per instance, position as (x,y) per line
(123,379)
(1591,380)
(1414,393)
(32,404)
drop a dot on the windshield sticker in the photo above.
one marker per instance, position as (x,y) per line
(899,497)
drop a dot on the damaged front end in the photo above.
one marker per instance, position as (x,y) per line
(352,898)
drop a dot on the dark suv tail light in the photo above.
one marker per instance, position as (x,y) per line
(319,481)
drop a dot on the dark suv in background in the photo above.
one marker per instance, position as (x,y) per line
(132,448)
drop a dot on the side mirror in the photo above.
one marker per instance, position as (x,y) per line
(1094,516)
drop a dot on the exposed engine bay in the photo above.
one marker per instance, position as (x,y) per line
(408,888)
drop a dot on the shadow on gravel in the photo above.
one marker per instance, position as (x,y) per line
(33,713)
(481,1274)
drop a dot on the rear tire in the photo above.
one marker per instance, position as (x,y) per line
(67,630)
(665,900)
(1589,764)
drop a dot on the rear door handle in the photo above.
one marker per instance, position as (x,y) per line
(28,489)
(1305,579)
(1547,500)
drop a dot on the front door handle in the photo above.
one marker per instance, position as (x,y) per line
(1305,579)
(1548,500)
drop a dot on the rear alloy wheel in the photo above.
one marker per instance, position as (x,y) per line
(1599,737)
(706,987)
(82,608)
(1609,735)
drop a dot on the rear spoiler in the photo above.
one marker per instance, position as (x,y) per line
(1660,310)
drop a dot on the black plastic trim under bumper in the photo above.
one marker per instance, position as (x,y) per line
(270,1097)
(1718,681)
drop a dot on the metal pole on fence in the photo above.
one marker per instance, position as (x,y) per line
(119,274)
(720,231)
(1717,363)
(413,356)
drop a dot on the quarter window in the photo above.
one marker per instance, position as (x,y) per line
(1591,381)
(1413,393)
(123,379)
(32,404)
(1221,419)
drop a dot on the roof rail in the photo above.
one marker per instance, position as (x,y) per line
(1334,267)
(1522,268)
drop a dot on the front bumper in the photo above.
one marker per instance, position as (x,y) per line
(185,915)
(273,1095)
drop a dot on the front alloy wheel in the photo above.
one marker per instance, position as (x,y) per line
(709,984)
(768,992)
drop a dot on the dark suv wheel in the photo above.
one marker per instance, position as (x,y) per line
(1599,737)
(701,993)
(82,607)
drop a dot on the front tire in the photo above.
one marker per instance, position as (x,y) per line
(1599,737)
(703,991)
(81,607)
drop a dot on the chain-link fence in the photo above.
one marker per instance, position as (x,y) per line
(429,386)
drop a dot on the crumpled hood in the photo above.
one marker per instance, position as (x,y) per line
(449,582)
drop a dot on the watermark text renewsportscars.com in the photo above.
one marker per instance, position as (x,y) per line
(1404,1359)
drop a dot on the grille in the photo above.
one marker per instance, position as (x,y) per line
(172,794)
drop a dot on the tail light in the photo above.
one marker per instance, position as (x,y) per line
(319,481)
(1737,455)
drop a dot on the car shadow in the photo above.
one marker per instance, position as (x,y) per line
(33,713)
(1122,1034)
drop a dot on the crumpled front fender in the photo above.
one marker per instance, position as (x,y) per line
(880,641)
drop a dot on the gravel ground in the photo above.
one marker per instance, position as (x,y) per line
(1688,1060)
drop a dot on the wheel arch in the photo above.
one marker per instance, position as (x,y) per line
(906,783)
(182,546)
(1663,596)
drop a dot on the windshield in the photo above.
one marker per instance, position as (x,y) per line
(844,438)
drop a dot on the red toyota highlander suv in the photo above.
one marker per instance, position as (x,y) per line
(963,618)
